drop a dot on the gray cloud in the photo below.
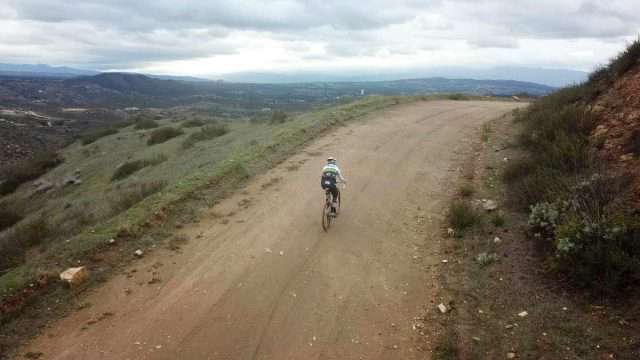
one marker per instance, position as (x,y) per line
(136,34)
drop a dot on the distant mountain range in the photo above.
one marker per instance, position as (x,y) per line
(549,77)
(42,70)
(115,90)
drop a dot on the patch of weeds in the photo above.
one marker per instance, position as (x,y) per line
(8,216)
(485,258)
(206,133)
(486,131)
(517,169)
(279,117)
(177,241)
(457,97)
(292,167)
(146,124)
(466,190)
(446,347)
(497,219)
(134,194)
(158,136)
(18,240)
(193,123)
(18,174)
(95,135)
(270,183)
(462,216)
(131,167)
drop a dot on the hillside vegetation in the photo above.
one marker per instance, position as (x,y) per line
(580,177)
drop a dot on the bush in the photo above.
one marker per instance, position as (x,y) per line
(93,136)
(626,59)
(20,173)
(164,134)
(518,169)
(466,190)
(206,133)
(498,220)
(456,97)
(193,123)
(146,124)
(462,216)
(604,255)
(131,167)
(134,194)
(278,117)
(8,217)
(15,243)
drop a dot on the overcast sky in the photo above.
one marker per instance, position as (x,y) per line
(213,37)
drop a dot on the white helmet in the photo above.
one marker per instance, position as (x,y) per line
(332,160)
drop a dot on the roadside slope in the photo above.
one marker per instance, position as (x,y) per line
(260,279)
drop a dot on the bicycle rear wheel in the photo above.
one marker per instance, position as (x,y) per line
(326,216)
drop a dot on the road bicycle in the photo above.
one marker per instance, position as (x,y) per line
(327,216)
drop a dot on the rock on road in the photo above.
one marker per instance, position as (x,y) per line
(260,279)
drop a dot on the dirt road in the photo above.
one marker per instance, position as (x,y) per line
(260,279)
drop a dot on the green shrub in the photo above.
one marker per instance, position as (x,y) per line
(626,59)
(604,255)
(517,169)
(193,123)
(164,134)
(95,135)
(18,240)
(131,167)
(498,220)
(8,216)
(134,194)
(466,190)
(18,174)
(146,124)
(278,117)
(462,216)
(206,133)
(456,97)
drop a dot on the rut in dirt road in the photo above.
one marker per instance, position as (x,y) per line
(266,282)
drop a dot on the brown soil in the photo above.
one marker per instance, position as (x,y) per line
(265,281)
(618,117)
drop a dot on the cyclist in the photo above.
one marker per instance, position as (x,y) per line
(331,175)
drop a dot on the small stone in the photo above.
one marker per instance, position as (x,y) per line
(497,240)
(112,241)
(281,253)
(451,232)
(445,261)
(267,250)
(523,314)
(75,276)
(511,355)
(138,253)
(476,339)
(395,347)
(489,205)
(442,308)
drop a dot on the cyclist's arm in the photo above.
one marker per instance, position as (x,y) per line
(341,178)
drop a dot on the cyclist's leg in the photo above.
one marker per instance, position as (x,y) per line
(334,193)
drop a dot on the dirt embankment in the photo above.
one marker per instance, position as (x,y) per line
(259,278)
(617,112)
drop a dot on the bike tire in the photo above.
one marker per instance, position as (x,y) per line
(326,217)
